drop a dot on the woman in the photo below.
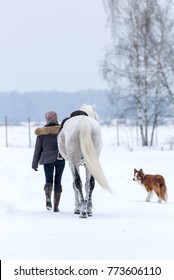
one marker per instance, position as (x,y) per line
(46,154)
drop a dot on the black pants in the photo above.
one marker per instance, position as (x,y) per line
(53,173)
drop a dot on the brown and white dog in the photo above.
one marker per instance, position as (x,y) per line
(152,183)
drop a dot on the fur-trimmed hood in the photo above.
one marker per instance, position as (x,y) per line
(47,130)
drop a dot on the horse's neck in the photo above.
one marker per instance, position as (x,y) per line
(91,113)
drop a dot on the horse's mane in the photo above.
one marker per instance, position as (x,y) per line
(90,110)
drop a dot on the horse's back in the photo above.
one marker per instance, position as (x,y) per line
(68,139)
(72,126)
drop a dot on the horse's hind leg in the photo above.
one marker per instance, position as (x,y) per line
(77,202)
(80,203)
(89,187)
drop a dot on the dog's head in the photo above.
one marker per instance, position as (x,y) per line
(138,175)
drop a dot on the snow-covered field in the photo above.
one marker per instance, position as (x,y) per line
(123,225)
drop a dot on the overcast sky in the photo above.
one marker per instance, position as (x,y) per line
(52,44)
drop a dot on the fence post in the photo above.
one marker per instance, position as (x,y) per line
(6,131)
(29,132)
(137,129)
(118,140)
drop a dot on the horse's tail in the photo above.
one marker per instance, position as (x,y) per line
(91,156)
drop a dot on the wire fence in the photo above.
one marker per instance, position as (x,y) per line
(17,134)
(22,134)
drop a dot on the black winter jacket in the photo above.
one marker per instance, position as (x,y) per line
(46,148)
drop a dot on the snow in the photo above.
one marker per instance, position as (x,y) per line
(123,225)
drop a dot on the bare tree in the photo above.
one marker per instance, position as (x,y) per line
(166,53)
(136,61)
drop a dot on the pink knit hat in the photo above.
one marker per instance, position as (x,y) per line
(51,117)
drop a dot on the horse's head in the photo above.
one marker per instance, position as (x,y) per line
(90,110)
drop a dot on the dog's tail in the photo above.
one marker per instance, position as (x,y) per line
(163,188)
(91,156)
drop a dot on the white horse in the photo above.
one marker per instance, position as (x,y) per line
(80,143)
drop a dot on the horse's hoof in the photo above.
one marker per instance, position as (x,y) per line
(90,214)
(83,215)
(49,208)
(77,212)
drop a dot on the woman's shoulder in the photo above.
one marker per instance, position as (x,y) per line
(46,130)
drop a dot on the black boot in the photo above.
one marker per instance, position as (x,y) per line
(48,190)
(57,195)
